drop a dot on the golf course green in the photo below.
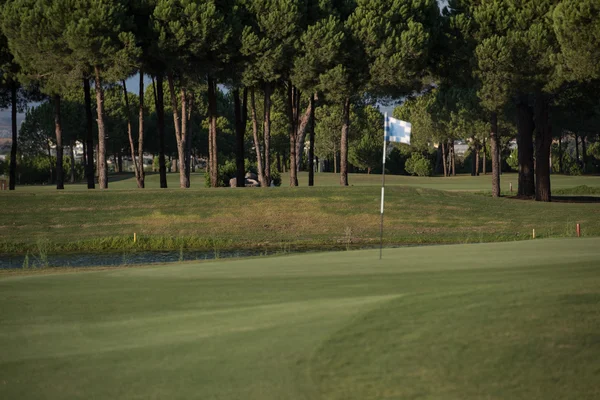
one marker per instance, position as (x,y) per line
(515,320)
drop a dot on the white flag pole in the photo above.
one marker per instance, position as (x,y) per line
(385,127)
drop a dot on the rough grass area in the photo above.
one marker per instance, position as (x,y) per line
(485,321)
(232,219)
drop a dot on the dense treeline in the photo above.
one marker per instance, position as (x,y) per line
(259,81)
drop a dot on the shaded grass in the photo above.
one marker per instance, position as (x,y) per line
(296,217)
(496,321)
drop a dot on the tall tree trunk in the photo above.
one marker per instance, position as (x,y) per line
(293,117)
(141,174)
(577,149)
(473,156)
(240,111)
(303,129)
(160,116)
(311,146)
(583,154)
(484,165)
(278,157)
(453,158)
(543,140)
(49,152)
(212,132)
(525,129)
(89,138)
(102,166)
(344,143)
(84,154)
(188,147)
(477,159)
(560,153)
(444,158)
(495,150)
(267,132)
(130,136)
(180,129)
(259,164)
(72,156)
(59,144)
(119,162)
(12,178)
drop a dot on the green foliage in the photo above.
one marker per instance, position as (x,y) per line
(366,149)
(513,160)
(577,28)
(419,165)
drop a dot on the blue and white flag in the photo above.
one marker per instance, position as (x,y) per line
(397,130)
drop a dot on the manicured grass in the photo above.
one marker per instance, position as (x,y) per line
(460,182)
(485,321)
(319,217)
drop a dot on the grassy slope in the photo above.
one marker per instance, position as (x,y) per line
(320,216)
(494,321)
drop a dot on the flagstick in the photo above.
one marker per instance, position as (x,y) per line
(382,187)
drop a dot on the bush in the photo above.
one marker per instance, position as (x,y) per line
(228,171)
(513,160)
(419,165)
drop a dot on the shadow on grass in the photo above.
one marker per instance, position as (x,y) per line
(563,199)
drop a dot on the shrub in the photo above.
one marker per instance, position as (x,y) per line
(228,171)
(419,165)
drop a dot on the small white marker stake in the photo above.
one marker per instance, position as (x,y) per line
(134,237)
(534,234)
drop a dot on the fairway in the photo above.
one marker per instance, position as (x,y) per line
(483,321)
(323,217)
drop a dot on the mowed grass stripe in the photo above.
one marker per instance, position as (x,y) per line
(506,320)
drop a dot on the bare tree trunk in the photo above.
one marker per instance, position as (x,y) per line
(241,115)
(12,177)
(59,144)
(583,153)
(259,164)
(525,129)
(473,156)
(303,127)
(49,151)
(72,155)
(293,117)
(444,158)
(543,140)
(477,159)
(188,147)
(130,137)
(577,148)
(89,165)
(344,143)
(102,167)
(160,116)
(141,174)
(494,148)
(267,133)
(560,153)
(484,166)
(311,147)
(212,133)
(84,154)
(453,157)
(180,129)
(119,162)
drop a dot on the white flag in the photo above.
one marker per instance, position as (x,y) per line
(397,130)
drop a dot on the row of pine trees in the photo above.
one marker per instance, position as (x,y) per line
(471,65)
